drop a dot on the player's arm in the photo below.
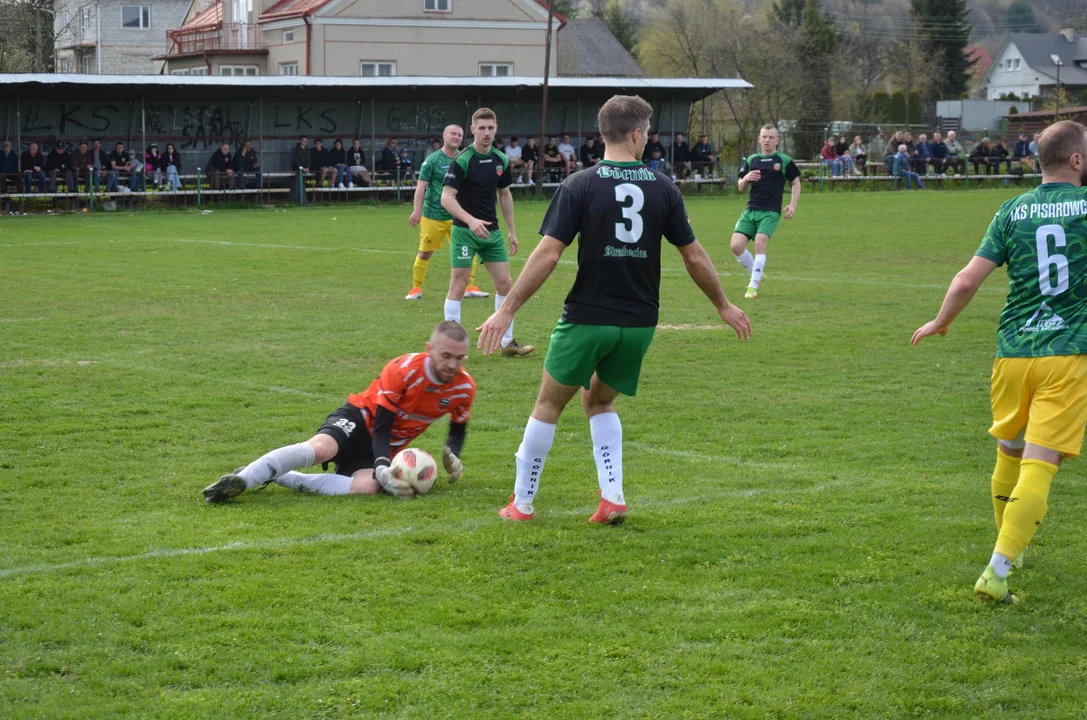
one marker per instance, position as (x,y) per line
(702,271)
(505,201)
(382,447)
(449,202)
(790,209)
(747,176)
(541,263)
(454,444)
(959,294)
(417,210)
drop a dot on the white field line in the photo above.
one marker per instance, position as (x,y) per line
(331,538)
(43,244)
(221,379)
(23,319)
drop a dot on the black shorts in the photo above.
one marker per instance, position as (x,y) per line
(356,448)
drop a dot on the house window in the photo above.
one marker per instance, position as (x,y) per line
(66,65)
(62,21)
(1015,64)
(495,69)
(85,64)
(136,17)
(185,71)
(84,23)
(288,68)
(288,36)
(199,71)
(369,68)
(238,70)
(438,6)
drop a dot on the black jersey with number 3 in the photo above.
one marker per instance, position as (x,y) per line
(621,211)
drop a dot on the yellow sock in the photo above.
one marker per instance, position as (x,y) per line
(472,277)
(1005,477)
(1026,507)
(418,272)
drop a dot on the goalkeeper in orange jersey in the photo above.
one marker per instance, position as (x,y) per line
(361,438)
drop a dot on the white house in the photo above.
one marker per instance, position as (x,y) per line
(1024,65)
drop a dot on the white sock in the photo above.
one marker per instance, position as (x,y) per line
(270,466)
(329,484)
(756,271)
(498,300)
(530,460)
(607,433)
(746,260)
(1000,565)
(452,310)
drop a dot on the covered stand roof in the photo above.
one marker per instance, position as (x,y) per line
(50,87)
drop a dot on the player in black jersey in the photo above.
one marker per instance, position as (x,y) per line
(768,171)
(621,209)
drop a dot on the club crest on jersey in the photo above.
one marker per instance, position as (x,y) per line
(777,166)
(498,170)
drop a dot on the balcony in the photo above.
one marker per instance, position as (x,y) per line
(228,37)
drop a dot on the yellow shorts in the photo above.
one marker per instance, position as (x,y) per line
(433,234)
(1043,400)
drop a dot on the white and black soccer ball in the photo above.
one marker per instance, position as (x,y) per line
(417,467)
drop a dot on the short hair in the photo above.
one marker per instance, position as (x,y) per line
(303,137)
(986,140)
(451,329)
(513,139)
(484,114)
(768,126)
(119,142)
(901,148)
(621,115)
(1059,141)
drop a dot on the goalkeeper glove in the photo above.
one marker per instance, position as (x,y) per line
(392,484)
(453,466)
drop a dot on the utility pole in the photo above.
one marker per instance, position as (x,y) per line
(547,72)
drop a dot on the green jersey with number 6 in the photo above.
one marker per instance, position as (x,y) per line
(1042,237)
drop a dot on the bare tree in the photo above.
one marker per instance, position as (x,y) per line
(26,43)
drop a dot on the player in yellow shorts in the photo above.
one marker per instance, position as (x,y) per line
(435,223)
(1039,383)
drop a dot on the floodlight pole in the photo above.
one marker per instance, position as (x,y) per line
(1057,110)
(547,73)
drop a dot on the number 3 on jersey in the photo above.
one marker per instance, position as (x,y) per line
(1046,261)
(624,192)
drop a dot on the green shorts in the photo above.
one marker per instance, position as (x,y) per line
(464,245)
(613,353)
(757,222)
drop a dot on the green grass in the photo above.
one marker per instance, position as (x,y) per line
(809,510)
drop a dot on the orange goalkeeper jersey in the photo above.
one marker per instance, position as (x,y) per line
(405,388)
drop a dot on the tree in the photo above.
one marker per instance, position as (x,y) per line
(945,27)
(564,7)
(818,41)
(1020,17)
(26,44)
(620,24)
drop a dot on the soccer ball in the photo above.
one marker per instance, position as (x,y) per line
(418,468)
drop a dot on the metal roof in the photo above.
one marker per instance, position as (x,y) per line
(59,86)
(587,48)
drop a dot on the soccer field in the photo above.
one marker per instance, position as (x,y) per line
(809,510)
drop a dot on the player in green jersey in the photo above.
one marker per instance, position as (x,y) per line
(434,222)
(1039,382)
(767,174)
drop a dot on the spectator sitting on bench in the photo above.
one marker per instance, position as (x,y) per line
(922,155)
(829,157)
(515,154)
(841,149)
(220,168)
(681,157)
(656,162)
(956,154)
(585,154)
(390,159)
(337,160)
(902,162)
(568,154)
(982,156)
(859,153)
(171,163)
(702,156)
(407,169)
(247,162)
(1021,152)
(530,156)
(152,162)
(356,165)
(321,164)
(1000,153)
(9,169)
(937,150)
(598,148)
(119,162)
(59,166)
(654,143)
(82,166)
(33,165)
(553,161)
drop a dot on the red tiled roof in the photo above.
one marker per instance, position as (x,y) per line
(292,8)
(211,17)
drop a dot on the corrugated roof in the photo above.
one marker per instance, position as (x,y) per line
(1036,49)
(210,17)
(587,48)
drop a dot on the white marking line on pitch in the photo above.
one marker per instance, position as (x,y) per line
(278,543)
(219,379)
(272,246)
